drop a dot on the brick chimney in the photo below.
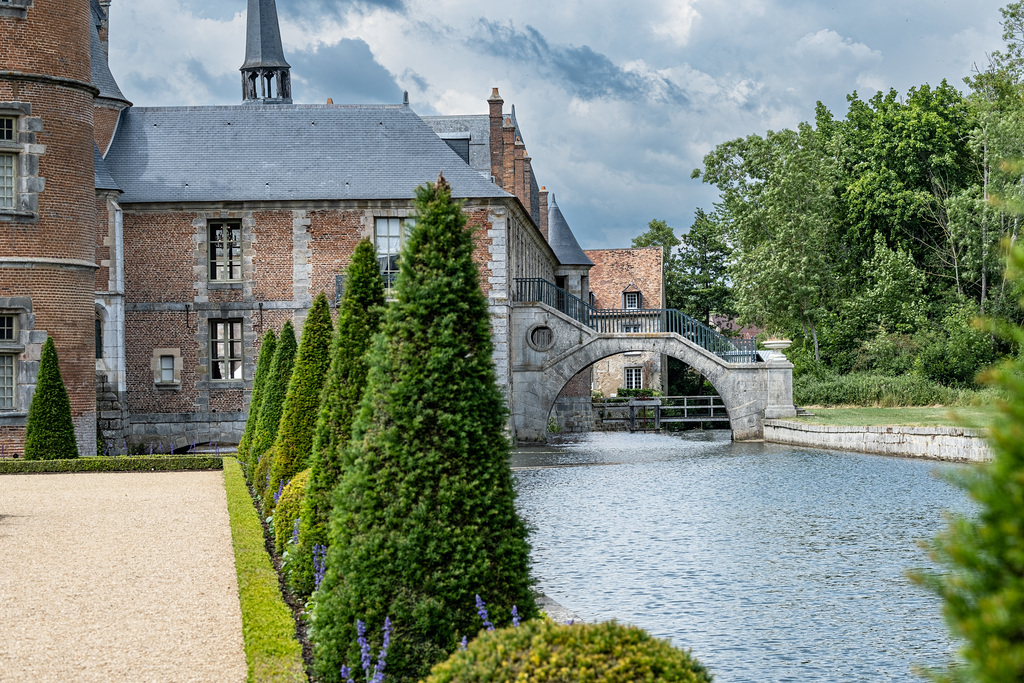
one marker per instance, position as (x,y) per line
(543,222)
(494,104)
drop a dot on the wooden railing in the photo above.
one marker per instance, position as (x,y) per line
(636,321)
(642,414)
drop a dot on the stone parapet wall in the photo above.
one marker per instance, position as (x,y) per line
(573,414)
(939,443)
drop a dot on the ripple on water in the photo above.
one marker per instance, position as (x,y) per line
(772,563)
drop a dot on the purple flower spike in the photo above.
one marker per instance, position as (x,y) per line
(515,616)
(364,646)
(319,564)
(295,531)
(346,674)
(280,490)
(464,643)
(378,670)
(481,609)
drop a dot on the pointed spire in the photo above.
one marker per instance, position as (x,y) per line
(266,75)
(561,239)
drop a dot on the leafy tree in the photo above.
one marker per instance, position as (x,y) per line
(294,438)
(266,358)
(424,517)
(703,264)
(50,431)
(660,234)
(983,589)
(273,403)
(360,316)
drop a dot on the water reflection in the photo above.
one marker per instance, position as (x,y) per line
(772,563)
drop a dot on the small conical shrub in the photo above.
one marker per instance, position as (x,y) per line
(359,318)
(267,347)
(302,402)
(273,401)
(50,431)
(424,517)
(542,651)
(288,509)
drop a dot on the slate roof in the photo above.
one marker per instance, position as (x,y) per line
(101,76)
(263,36)
(101,176)
(282,152)
(561,239)
(478,126)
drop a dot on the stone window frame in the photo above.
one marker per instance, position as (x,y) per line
(211,341)
(629,369)
(17,9)
(26,152)
(390,274)
(626,296)
(26,348)
(155,366)
(235,265)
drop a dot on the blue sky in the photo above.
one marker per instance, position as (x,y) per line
(618,102)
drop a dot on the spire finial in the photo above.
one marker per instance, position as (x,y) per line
(265,66)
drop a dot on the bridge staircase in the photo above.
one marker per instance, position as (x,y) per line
(623,321)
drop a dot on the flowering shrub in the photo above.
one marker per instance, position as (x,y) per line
(542,651)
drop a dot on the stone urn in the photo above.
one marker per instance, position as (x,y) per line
(777,346)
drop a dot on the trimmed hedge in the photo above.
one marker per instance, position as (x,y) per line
(288,510)
(302,403)
(274,392)
(163,463)
(50,431)
(266,359)
(359,318)
(271,651)
(542,651)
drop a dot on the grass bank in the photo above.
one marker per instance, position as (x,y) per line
(272,652)
(978,417)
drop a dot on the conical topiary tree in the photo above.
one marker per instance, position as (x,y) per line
(359,318)
(50,431)
(266,358)
(301,404)
(424,516)
(272,403)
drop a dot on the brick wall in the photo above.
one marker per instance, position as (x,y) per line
(47,256)
(616,269)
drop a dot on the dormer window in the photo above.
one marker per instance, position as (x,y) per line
(631,301)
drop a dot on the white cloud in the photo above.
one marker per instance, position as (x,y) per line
(826,44)
(677,21)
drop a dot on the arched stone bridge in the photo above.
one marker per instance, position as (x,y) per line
(550,345)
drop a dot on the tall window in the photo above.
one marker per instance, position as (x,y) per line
(7,128)
(8,163)
(633,378)
(6,382)
(225,251)
(390,234)
(225,349)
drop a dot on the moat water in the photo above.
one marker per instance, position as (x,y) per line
(772,563)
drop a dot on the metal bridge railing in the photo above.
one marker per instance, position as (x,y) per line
(636,321)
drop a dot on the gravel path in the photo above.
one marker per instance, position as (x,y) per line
(118,577)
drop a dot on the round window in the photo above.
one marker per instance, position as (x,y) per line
(541,337)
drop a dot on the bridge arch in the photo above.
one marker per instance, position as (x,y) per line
(750,390)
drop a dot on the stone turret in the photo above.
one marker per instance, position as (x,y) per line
(266,75)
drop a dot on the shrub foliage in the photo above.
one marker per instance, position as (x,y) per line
(542,651)
(983,589)
(50,432)
(273,403)
(424,515)
(288,509)
(298,420)
(267,348)
(359,318)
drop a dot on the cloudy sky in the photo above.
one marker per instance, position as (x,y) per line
(618,101)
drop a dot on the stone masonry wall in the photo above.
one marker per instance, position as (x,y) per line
(940,443)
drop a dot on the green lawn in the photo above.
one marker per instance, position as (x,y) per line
(967,416)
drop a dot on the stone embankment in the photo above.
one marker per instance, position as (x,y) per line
(938,443)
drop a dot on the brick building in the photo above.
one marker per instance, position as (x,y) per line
(630,279)
(156,245)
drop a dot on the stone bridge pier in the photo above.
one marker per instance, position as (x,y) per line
(549,348)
